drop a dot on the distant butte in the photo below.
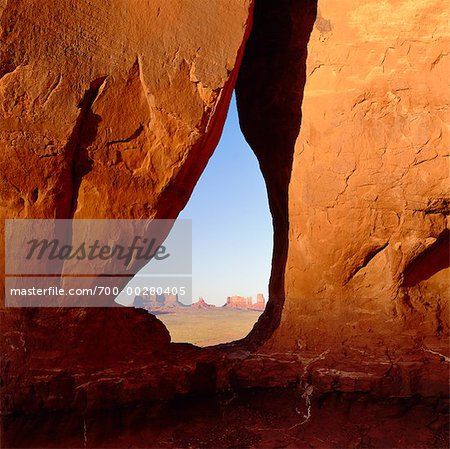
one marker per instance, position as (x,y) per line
(241,302)
(160,303)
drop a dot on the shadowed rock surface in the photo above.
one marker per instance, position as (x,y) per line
(249,419)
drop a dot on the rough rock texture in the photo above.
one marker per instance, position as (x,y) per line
(251,419)
(107,110)
(366,278)
(115,118)
(76,358)
(112,110)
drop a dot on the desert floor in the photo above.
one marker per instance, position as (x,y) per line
(209,327)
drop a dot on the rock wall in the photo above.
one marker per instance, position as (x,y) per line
(245,303)
(107,110)
(238,302)
(369,193)
(269,101)
(112,110)
(367,203)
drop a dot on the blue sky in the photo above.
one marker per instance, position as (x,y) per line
(231,223)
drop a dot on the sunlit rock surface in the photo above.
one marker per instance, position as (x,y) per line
(354,148)
(107,110)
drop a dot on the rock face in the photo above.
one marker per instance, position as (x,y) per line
(112,109)
(269,105)
(370,181)
(260,303)
(107,110)
(60,360)
(116,118)
(245,302)
(367,202)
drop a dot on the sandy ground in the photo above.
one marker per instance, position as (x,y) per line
(209,327)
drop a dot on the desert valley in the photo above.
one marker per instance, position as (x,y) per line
(201,323)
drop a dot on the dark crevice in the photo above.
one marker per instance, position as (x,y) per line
(133,136)
(34,195)
(11,55)
(437,206)
(7,67)
(269,95)
(434,259)
(367,259)
(83,135)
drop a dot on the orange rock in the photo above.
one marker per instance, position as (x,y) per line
(369,165)
(112,111)
(366,196)
(117,109)
(260,303)
(107,110)
(238,302)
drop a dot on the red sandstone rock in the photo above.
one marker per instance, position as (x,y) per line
(113,111)
(260,303)
(58,360)
(236,301)
(370,181)
(118,117)
(202,304)
(107,110)
(246,303)
(359,184)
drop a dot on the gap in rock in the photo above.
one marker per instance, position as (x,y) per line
(231,249)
